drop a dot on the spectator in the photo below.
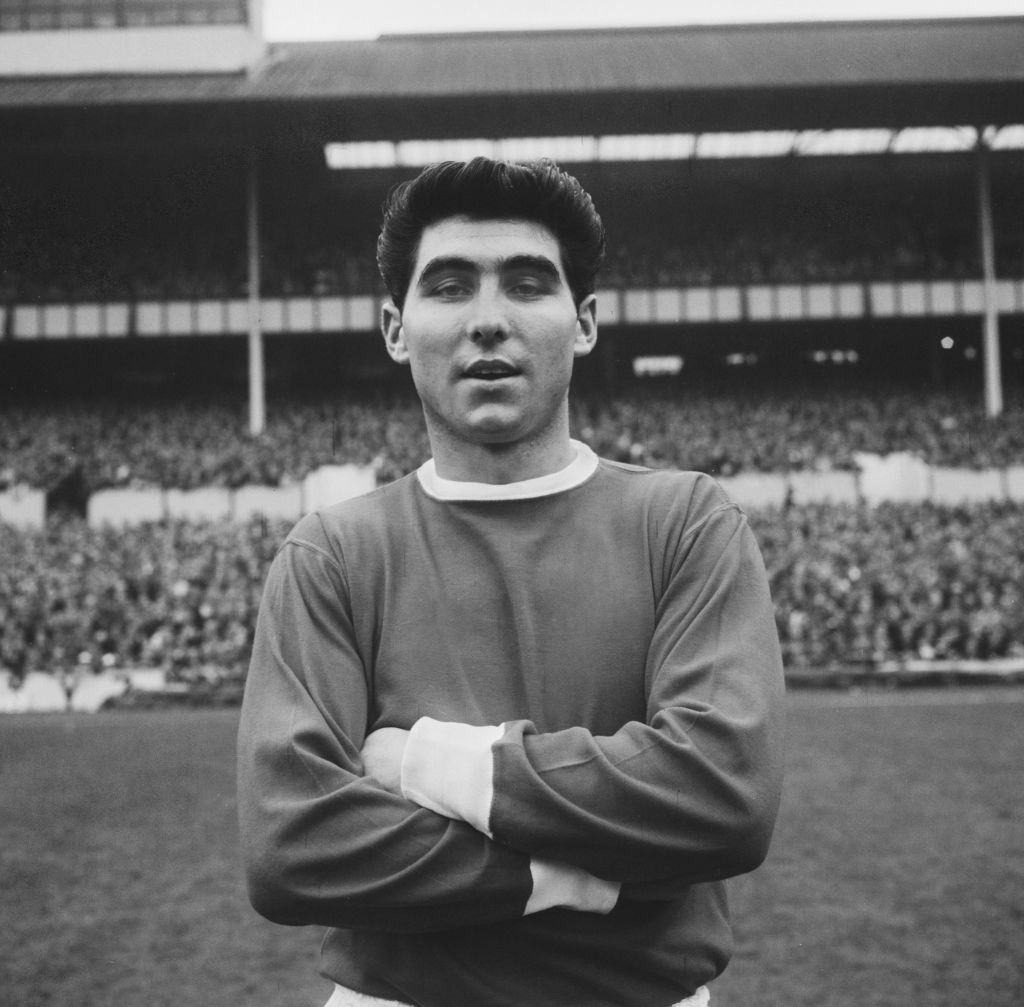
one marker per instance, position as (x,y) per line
(186,444)
(851,585)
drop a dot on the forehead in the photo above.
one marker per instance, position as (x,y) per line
(485,241)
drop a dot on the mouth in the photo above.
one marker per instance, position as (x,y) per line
(490,370)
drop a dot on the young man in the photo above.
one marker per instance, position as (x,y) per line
(512,719)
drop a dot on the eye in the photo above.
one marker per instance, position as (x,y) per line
(528,286)
(450,289)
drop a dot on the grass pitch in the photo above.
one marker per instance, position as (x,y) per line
(896,876)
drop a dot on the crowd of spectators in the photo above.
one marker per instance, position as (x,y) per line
(852,586)
(186,444)
(726,432)
(796,250)
(857,585)
(79,271)
(188,240)
(179,597)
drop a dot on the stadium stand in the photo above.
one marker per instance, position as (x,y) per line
(123,202)
(864,585)
(853,586)
(188,443)
(109,240)
(180,597)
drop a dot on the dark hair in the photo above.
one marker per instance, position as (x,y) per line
(482,189)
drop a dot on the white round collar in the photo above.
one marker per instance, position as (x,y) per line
(579,470)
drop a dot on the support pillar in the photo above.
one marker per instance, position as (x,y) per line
(986,232)
(257,390)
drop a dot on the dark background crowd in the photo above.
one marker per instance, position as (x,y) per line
(103,231)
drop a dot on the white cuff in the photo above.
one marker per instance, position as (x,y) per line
(556,884)
(449,769)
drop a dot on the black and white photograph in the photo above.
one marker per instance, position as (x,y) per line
(511,506)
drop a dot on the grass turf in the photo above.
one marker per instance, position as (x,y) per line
(896,876)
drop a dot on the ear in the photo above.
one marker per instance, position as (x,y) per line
(586,326)
(391,329)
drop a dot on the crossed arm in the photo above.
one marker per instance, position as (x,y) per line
(394,830)
(324,843)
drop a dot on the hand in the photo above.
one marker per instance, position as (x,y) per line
(382,755)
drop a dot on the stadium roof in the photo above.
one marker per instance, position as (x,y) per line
(696,78)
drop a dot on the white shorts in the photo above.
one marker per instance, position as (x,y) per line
(342,997)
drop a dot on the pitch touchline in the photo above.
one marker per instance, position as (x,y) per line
(945,697)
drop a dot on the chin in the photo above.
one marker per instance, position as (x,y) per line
(496,428)
(496,434)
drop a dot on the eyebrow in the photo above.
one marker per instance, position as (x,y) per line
(539,264)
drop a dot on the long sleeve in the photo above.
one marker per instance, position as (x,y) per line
(689,795)
(322,843)
(616,637)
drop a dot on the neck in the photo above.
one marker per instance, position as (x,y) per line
(500,463)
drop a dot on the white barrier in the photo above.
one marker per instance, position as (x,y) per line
(638,306)
(668,305)
(900,477)
(146,679)
(125,507)
(823,487)
(275,503)
(38,693)
(756,489)
(92,691)
(333,483)
(663,305)
(761,303)
(1004,666)
(1015,482)
(23,507)
(608,307)
(955,486)
(43,693)
(327,485)
(208,503)
(363,315)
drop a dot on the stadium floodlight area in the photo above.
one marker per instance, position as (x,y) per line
(666,365)
(678,146)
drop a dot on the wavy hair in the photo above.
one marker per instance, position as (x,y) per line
(483,189)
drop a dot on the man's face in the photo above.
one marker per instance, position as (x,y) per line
(490,331)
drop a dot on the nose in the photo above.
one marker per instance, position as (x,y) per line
(487,322)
